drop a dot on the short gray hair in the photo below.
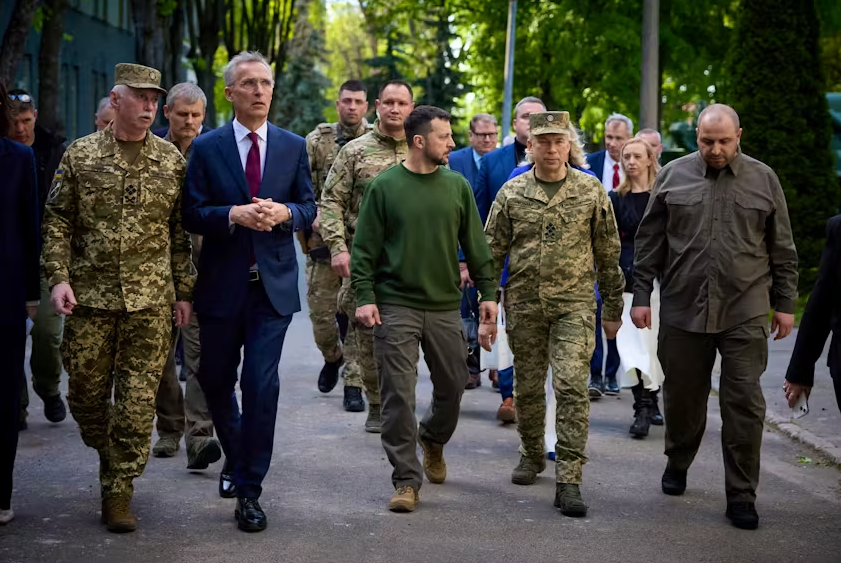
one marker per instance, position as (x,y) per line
(230,70)
(121,90)
(104,103)
(623,118)
(186,91)
(527,100)
(650,131)
(482,117)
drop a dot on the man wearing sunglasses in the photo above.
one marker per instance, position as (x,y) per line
(45,361)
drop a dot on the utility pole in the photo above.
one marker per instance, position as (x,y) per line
(509,67)
(650,87)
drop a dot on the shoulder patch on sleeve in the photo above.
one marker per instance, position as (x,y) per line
(55,188)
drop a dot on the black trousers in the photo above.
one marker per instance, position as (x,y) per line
(12,353)
(687,359)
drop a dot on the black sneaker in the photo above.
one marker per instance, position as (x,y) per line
(611,388)
(329,375)
(353,399)
(596,389)
(54,409)
(743,515)
(673,481)
(568,499)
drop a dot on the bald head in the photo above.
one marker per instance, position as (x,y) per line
(717,113)
(718,135)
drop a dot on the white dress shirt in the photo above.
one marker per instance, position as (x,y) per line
(607,173)
(244,143)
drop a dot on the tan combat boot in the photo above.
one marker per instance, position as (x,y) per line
(434,466)
(116,512)
(405,499)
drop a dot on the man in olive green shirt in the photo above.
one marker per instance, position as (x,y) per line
(405,273)
(717,234)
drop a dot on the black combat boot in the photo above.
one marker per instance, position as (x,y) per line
(654,414)
(642,402)
(329,375)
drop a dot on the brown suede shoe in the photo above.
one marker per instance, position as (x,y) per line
(434,466)
(116,511)
(405,499)
(507,413)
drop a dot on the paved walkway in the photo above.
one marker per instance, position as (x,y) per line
(327,491)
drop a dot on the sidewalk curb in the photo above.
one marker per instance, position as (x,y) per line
(785,426)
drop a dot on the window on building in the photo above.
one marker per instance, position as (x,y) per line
(69,99)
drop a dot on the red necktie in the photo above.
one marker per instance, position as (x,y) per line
(252,173)
(252,166)
(616,179)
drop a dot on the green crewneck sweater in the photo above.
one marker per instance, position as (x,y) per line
(405,250)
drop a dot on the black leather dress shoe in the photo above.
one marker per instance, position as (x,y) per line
(250,517)
(227,489)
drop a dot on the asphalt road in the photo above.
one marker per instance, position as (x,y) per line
(326,495)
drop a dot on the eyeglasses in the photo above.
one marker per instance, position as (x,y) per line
(25,98)
(485,136)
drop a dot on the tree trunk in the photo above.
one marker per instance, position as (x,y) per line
(174,45)
(149,34)
(14,39)
(49,67)
(207,82)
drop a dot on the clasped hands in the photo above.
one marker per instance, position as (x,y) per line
(260,214)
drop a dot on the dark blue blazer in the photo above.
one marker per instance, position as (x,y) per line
(462,161)
(215,183)
(497,166)
(596,162)
(20,231)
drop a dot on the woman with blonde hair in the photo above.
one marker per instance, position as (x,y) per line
(639,368)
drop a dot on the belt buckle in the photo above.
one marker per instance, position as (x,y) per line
(253,275)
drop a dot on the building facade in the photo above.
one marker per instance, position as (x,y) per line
(98,35)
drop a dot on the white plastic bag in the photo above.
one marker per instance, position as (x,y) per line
(500,356)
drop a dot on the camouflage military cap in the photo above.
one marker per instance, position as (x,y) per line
(549,122)
(138,76)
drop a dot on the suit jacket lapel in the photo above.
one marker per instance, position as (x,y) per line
(229,152)
(274,158)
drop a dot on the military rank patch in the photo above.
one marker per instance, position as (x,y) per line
(55,188)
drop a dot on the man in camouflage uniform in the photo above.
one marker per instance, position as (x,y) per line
(323,283)
(117,260)
(357,163)
(556,225)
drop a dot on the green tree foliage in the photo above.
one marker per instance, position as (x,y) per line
(778,89)
(299,94)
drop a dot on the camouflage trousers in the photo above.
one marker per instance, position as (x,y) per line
(322,292)
(565,343)
(365,373)
(123,352)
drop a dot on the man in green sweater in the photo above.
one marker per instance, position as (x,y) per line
(405,272)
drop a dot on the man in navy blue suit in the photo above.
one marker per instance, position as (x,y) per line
(19,288)
(618,129)
(248,188)
(483,137)
(467,162)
